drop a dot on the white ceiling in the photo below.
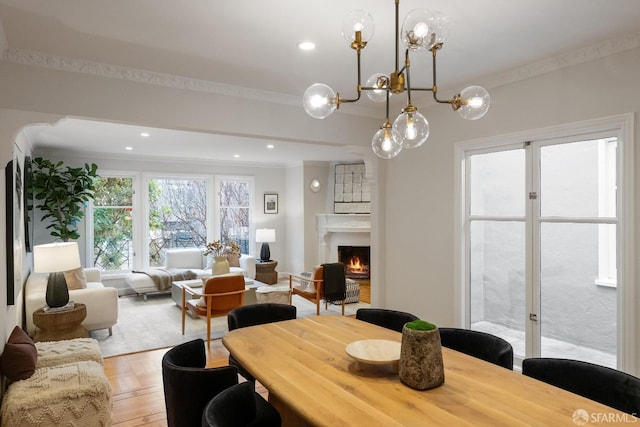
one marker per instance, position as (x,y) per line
(252,44)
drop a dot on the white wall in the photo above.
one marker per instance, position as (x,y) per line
(295,219)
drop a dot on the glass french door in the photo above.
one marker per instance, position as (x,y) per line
(541,230)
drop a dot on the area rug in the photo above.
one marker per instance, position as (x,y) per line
(156,323)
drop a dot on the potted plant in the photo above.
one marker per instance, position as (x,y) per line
(62,192)
(220,251)
(420,365)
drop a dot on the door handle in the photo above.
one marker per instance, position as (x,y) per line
(533,317)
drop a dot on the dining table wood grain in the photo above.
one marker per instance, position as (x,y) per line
(312,381)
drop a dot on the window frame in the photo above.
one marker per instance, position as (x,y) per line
(623,126)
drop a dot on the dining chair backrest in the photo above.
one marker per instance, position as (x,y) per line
(600,383)
(240,406)
(188,385)
(258,314)
(478,344)
(222,284)
(390,319)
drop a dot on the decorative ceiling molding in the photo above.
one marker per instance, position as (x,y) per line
(99,69)
(569,59)
(60,63)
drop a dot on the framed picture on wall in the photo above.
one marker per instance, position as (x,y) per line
(271,203)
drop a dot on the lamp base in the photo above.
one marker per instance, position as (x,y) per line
(57,292)
(265,253)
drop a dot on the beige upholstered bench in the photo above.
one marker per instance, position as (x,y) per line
(68,387)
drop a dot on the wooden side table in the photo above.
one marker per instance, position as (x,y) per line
(265,272)
(60,325)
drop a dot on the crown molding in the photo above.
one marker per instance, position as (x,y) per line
(99,69)
(568,59)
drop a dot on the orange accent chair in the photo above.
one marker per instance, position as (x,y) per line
(313,289)
(221,295)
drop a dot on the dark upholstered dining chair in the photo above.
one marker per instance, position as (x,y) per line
(257,314)
(390,319)
(240,406)
(188,385)
(478,344)
(605,385)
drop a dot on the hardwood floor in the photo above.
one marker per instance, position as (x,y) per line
(136,384)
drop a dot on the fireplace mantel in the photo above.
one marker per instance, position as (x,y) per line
(328,224)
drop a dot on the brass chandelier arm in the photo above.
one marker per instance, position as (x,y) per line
(358,48)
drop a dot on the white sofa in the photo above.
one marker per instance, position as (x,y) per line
(101,301)
(192,259)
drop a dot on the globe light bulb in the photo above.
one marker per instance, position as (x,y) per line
(378,80)
(386,142)
(474,102)
(410,132)
(412,127)
(422,29)
(358,20)
(319,101)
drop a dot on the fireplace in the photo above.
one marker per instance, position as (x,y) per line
(355,260)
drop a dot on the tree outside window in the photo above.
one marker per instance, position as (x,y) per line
(234,204)
(112,223)
(177,216)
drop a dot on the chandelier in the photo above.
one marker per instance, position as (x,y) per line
(422,31)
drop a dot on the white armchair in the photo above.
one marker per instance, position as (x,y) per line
(101,301)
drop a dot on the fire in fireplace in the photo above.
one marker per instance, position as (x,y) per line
(355,260)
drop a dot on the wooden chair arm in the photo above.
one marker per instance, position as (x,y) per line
(192,291)
(306,279)
(316,282)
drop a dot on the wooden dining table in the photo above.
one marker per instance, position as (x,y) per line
(312,381)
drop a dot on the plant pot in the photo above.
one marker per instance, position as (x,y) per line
(420,363)
(220,265)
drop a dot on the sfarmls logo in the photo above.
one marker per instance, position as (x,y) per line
(582,417)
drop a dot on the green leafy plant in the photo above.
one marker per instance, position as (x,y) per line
(61,192)
(420,325)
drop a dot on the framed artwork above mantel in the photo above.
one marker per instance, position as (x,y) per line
(351,190)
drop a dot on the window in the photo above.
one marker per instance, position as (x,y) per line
(177,215)
(235,195)
(112,219)
(540,220)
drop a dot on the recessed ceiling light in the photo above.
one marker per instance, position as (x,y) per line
(144,134)
(237,156)
(306,45)
(271,146)
(128,148)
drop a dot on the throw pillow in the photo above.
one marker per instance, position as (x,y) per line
(317,275)
(76,279)
(234,260)
(18,360)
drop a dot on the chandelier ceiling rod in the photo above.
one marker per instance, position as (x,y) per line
(422,30)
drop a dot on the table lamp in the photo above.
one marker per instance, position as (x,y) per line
(265,236)
(55,259)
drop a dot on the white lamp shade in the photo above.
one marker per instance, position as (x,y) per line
(265,235)
(55,257)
